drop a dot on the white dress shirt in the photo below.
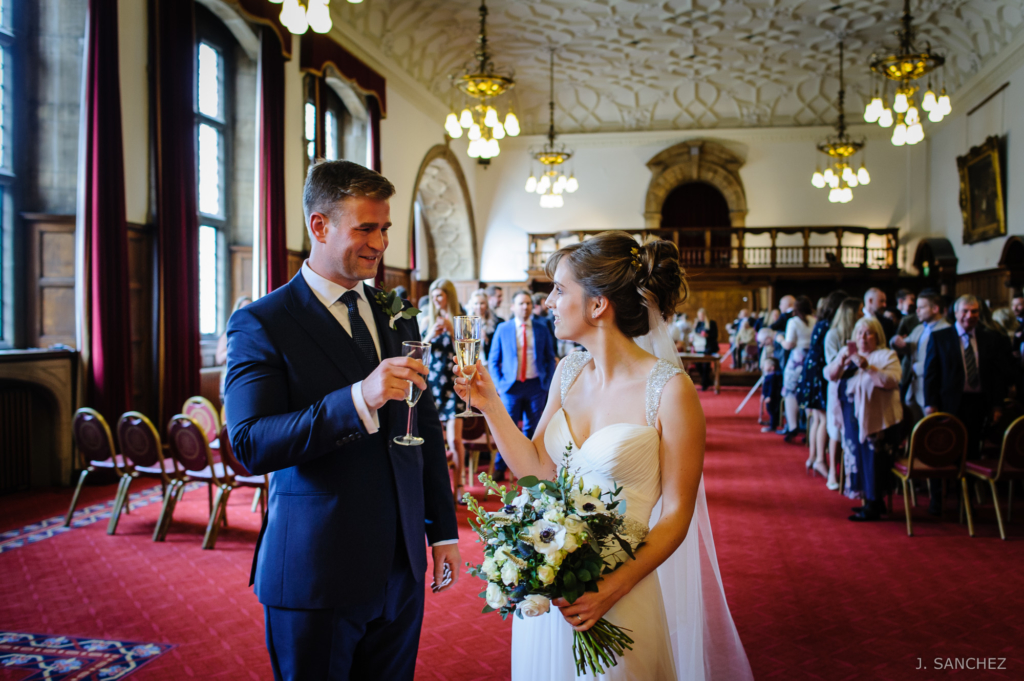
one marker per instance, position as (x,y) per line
(531,359)
(329,293)
(965,338)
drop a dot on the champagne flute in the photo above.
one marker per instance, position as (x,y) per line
(468,340)
(416,350)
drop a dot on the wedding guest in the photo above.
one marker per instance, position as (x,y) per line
(680,330)
(745,337)
(734,328)
(402,292)
(479,307)
(874,306)
(708,330)
(906,302)
(915,350)
(796,342)
(540,311)
(522,363)
(495,295)
(869,400)
(1017,342)
(839,333)
(438,330)
(1004,321)
(771,392)
(812,390)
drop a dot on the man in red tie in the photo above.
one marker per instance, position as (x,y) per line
(522,362)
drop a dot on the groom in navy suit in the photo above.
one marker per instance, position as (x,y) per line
(314,395)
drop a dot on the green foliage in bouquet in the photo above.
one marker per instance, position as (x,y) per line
(553,539)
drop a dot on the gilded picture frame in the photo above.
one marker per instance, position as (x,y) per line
(981,192)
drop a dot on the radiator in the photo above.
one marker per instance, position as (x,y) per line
(15,438)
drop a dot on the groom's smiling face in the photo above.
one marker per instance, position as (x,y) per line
(353,238)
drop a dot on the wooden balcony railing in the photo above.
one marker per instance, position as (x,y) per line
(754,247)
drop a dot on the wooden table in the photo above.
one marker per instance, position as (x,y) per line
(714,360)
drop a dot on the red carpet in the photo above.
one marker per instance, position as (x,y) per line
(813,595)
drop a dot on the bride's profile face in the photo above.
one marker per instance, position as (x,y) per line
(566,302)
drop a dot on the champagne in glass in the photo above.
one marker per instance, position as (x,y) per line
(415,350)
(468,341)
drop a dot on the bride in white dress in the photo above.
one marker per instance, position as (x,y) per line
(635,420)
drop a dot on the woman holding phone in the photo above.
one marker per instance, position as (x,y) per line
(840,333)
(868,373)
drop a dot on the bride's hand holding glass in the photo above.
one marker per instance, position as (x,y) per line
(484,396)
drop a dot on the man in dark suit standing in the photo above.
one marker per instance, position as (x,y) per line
(522,363)
(966,374)
(874,306)
(314,393)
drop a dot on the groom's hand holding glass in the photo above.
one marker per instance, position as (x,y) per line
(390,380)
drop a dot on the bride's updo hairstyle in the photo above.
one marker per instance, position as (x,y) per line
(632,277)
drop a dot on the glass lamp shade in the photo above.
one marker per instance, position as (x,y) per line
(572,184)
(494,147)
(873,110)
(862,175)
(319,16)
(936,115)
(511,124)
(833,195)
(828,175)
(543,184)
(275,2)
(885,119)
(491,117)
(451,125)
(818,180)
(899,135)
(847,174)
(834,182)
(466,118)
(531,183)
(900,104)
(929,101)
(852,182)
(944,104)
(912,116)
(474,149)
(498,131)
(474,132)
(355,2)
(915,133)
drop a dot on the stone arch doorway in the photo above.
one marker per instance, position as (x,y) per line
(696,161)
(690,209)
(442,230)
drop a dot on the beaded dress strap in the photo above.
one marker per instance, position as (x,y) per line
(659,376)
(572,365)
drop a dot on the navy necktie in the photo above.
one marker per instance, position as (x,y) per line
(360,332)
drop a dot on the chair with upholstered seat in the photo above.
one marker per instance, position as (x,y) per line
(1009,466)
(477,439)
(141,447)
(936,450)
(95,446)
(202,411)
(235,475)
(191,450)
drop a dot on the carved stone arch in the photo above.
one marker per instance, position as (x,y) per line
(695,161)
(443,194)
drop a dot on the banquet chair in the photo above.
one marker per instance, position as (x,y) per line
(191,450)
(202,411)
(1009,466)
(95,446)
(476,439)
(936,450)
(142,449)
(235,475)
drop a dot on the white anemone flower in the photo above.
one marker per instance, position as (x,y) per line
(547,537)
(588,505)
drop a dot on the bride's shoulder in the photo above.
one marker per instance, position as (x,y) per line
(674,387)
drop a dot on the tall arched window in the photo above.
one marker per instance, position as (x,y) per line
(7,104)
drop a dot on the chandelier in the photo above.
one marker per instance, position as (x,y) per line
(839,176)
(481,82)
(906,65)
(553,182)
(299,15)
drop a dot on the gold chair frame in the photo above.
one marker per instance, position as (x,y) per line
(122,489)
(200,400)
(87,466)
(1017,423)
(176,489)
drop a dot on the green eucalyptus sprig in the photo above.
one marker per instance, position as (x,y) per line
(394,307)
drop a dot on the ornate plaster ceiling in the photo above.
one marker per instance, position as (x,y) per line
(664,64)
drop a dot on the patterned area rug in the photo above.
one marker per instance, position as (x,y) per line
(69,658)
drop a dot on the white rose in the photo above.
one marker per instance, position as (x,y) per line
(570,544)
(521,500)
(574,524)
(555,558)
(501,554)
(490,568)
(510,573)
(588,505)
(546,574)
(547,537)
(595,491)
(495,597)
(534,605)
(554,515)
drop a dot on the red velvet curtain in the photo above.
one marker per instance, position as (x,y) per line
(173,60)
(373,106)
(106,334)
(271,172)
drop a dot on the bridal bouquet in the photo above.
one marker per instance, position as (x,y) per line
(554,540)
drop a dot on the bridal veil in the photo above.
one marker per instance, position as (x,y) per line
(704,639)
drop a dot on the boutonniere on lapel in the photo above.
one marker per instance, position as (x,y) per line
(394,307)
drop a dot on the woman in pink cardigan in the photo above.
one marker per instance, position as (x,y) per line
(869,402)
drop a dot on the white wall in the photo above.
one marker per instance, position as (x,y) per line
(133,55)
(613,176)
(294,149)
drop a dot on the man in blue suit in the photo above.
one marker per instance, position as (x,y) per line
(314,395)
(522,362)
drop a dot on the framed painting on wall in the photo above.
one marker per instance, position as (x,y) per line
(981,191)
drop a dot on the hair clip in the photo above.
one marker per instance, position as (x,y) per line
(635,258)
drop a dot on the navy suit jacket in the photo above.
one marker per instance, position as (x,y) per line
(503,361)
(337,493)
(944,370)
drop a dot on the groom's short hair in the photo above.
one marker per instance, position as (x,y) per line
(329,182)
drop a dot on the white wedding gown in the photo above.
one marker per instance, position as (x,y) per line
(671,622)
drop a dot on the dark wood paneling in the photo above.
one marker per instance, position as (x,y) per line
(721,305)
(140,292)
(396,276)
(991,285)
(295,260)
(50,279)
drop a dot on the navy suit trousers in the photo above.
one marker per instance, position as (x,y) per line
(524,401)
(375,640)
